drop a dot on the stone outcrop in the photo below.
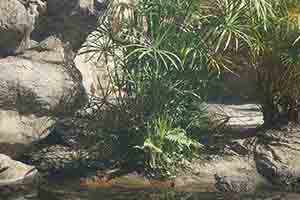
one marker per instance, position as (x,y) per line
(36,87)
(272,163)
(39,81)
(19,132)
(16,24)
(13,172)
(277,157)
(235,174)
(94,67)
(73,145)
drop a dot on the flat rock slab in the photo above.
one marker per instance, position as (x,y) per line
(244,115)
(14,172)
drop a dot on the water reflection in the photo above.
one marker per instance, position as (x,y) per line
(122,194)
(71,191)
(119,194)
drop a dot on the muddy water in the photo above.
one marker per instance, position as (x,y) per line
(142,194)
(60,189)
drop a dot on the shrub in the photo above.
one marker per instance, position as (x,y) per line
(161,73)
(164,145)
(263,35)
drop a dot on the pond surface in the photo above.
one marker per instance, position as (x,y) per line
(122,194)
(70,190)
(60,189)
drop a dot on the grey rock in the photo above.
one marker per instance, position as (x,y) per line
(19,132)
(236,116)
(71,20)
(94,67)
(16,24)
(58,159)
(40,88)
(229,174)
(13,172)
(277,156)
(235,184)
(37,86)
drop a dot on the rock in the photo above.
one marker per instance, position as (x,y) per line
(229,174)
(73,145)
(236,116)
(36,87)
(40,88)
(199,183)
(235,184)
(131,181)
(276,157)
(71,20)
(13,172)
(94,67)
(57,159)
(16,23)
(18,132)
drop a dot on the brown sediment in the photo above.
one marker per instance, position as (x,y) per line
(99,183)
(105,183)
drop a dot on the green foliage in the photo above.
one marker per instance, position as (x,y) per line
(161,74)
(164,145)
(263,34)
(166,55)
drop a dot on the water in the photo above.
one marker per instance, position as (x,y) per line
(70,190)
(119,194)
(61,189)
(122,194)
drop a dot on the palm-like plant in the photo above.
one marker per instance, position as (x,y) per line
(265,34)
(166,52)
(161,60)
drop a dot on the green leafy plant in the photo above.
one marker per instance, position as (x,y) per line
(164,145)
(162,72)
(262,35)
(166,54)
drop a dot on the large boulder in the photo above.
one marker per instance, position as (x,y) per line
(230,174)
(13,172)
(72,145)
(277,157)
(18,132)
(17,19)
(41,82)
(94,67)
(43,89)
(36,87)
(72,20)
